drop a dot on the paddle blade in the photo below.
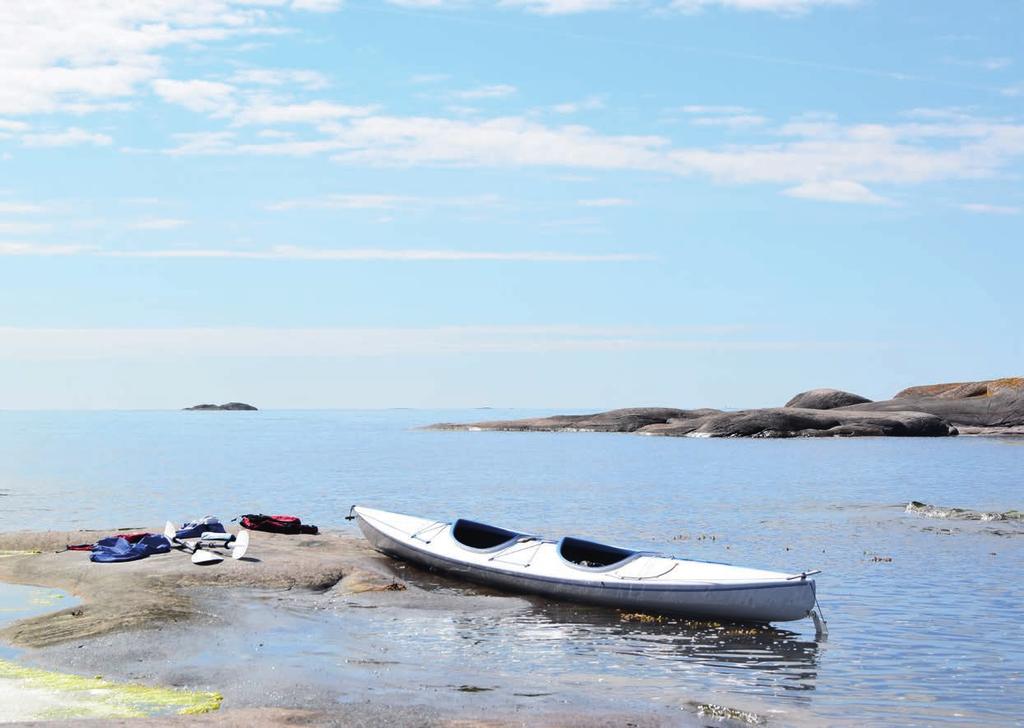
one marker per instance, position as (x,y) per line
(203,557)
(170,531)
(241,545)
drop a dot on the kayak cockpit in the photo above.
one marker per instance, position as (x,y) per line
(483,537)
(594,556)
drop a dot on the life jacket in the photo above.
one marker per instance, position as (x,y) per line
(115,548)
(129,537)
(290,525)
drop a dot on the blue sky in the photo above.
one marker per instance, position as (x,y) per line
(533,203)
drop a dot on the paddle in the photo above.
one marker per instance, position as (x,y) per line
(238,544)
(200,556)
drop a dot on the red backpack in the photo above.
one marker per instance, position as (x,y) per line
(276,524)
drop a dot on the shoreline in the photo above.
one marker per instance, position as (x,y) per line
(133,618)
(993,407)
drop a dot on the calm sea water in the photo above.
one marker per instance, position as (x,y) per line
(925,614)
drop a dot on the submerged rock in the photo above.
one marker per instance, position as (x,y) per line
(229,406)
(930,511)
(825,399)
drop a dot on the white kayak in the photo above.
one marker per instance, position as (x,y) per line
(576,570)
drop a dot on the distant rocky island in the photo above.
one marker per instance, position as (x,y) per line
(991,407)
(230,406)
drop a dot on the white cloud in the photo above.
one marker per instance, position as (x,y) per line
(736,121)
(67,138)
(248,342)
(8,248)
(312,112)
(197,95)
(424,78)
(342,202)
(317,6)
(590,103)
(784,7)
(380,202)
(424,3)
(20,208)
(814,156)
(605,202)
(309,80)
(986,64)
(20,228)
(503,141)
(563,7)
(494,91)
(298,253)
(165,223)
(836,191)
(72,136)
(83,56)
(292,252)
(987,209)
(707,110)
(9,125)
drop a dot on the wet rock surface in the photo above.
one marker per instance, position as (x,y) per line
(991,407)
(158,589)
(964,514)
(234,628)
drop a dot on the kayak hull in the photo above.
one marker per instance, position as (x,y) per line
(773,601)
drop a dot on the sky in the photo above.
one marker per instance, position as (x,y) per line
(509,203)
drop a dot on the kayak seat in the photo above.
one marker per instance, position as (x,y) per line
(593,555)
(482,537)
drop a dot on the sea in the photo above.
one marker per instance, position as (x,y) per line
(925,610)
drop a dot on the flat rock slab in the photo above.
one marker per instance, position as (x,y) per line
(149,591)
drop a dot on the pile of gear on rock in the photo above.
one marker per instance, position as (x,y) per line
(207,532)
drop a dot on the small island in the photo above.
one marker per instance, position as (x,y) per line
(227,407)
(991,407)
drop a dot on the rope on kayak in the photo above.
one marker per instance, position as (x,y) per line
(531,543)
(437,525)
(646,576)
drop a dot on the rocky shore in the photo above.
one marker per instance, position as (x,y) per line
(226,407)
(147,623)
(991,407)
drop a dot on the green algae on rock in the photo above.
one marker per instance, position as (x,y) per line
(83,697)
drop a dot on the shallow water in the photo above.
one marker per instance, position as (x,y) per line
(923,612)
(21,602)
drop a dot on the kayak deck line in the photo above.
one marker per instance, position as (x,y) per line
(574,569)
